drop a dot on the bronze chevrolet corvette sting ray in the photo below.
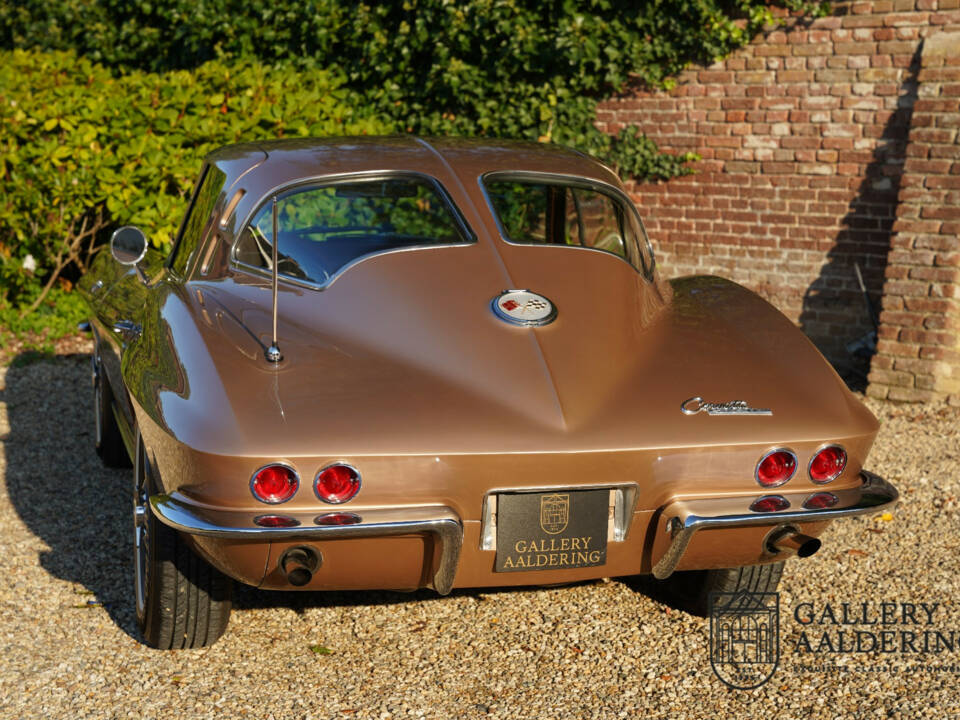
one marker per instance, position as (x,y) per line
(457,367)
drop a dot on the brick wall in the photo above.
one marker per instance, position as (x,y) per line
(918,353)
(803,136)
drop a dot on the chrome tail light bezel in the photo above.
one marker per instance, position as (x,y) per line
(816,454)
(773,451)
(279,501)
(321,471)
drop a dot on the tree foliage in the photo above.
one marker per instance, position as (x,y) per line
(105,117)
(508,68)
(82,151)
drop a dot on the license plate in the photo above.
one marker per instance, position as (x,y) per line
(552,530)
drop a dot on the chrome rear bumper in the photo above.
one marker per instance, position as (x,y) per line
(441,522)
(684,518)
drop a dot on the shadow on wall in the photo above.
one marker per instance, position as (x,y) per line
(837,315)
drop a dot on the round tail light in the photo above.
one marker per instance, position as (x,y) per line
(274,484)
(776,467)
(337,483)
(828,464)
(770,503)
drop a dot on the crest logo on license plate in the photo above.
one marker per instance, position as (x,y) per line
(554,513)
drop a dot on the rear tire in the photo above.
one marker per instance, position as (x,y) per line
(107,438)
(181,601)
(690,590)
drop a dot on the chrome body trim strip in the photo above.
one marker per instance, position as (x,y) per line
(440,521)
(873,496)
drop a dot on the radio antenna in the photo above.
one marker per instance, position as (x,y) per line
(273,352)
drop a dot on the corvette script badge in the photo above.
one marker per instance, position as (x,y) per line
(735,407)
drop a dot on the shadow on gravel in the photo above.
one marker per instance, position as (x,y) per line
(675,595)
(81,510)
(248,598)
(57,485)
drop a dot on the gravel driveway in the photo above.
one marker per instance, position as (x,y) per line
(71,649)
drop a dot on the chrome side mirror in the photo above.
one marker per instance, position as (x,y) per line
(128,245)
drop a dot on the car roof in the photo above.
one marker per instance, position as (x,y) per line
(468,156)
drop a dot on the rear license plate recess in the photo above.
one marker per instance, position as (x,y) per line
(552,530)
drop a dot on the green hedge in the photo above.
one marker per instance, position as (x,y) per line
(107,126)
(82,151)
(508,68)
(593,43)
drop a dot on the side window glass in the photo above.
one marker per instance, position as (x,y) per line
(325,228)
(198,219)
(559,212)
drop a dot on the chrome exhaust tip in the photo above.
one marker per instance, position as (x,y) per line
(790,540)
(298,564)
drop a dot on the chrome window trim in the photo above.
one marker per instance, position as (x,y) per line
(208,231)
(819,450)
(575,181)
(756,470)
(174,246)
(470,238)
(287,465)
(316,478)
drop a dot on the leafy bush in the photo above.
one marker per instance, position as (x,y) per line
(57,316)
(109,125)
(82,151)
(507,68)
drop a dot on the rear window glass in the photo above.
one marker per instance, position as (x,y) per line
(323,228)
(565,212)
